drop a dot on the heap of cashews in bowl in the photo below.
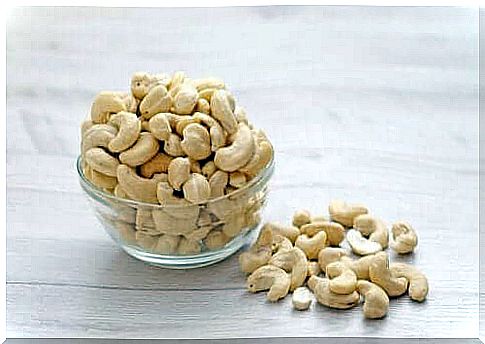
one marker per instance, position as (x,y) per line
(184,146)
(307,259)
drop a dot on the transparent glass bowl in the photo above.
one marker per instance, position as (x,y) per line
(181,237)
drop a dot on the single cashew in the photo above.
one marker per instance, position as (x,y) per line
(196,143)
(301,299)
(335,231)
(167,244)
(237,179)
(205,83)
(272,278)
(345,213)
(178,172)
(196,188)
(237,154)
(185,99)
(360,245)
(106,104)
(418,283)
(381,275)
(301,217)
(321,289)
(138,188)
(240,114)
(156,101)
(173,146)
(216,240)
(131,102)
(145,240)
(145,148)
(99,179)
(259,254)
(376,304)
(159,126)
(98,135)
(342,279)
(217,183)
(129,128)
(313,268)
(99,160)
(188,247)
(372,227)
(293,261)
(291,232)
(203,106)
(209,169)
(311,245)
(329,255)
(142,83)
(221,110)
(158,164)
(217,134)
(280,243)
(262,156)
(404,237)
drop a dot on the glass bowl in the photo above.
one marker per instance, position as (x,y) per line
(181,237)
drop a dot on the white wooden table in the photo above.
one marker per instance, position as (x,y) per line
(376,105)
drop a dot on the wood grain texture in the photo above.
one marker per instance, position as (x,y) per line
(377,105)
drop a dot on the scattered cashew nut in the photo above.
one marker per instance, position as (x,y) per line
(404,237)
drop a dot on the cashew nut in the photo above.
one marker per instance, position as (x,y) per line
(217,134)
(259,254)
(196,188)
(203,106)
(208,170)
(143,150)
(158,164)
(188,246)
(99,160)
(381,275)
(159,126)
(216,240)
(360,245)
(119,192)
(129,128)
(290,232)
(240,115)
(293,261)
(106,104)
(262,156)
(342,279)
(177,79)
(173,146)
(360,266)
(280,243)
(145,240)
(221,110)
(237,154)
(376,304)
(136,187)
(178,172)
(272,278)
(345,213)
(374,228)
(167,244)
(185,99)
(301,299)
(237,179)
(99,179)
(313,268)
(205,83)
(329,255)
(301,217)
(335,231)
(217,183)
(197,142)
(142,83)
(404,237)
(418,283)
(98,135)
(321,289)
(311,245)
(85,126)
(156,101)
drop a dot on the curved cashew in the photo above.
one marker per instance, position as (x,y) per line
(142,83)
(237,179)
(217,135)
(217,183)
(323,294)
(404,237)
(98,159)
(342,279)
(167,244)
(129,128)
(106,104)
(138,188)
(376,304)
(360,266)
(301,217)
(259,254)
(178,172)
(208,170)
(240,115)
(374,228)
(329,255)
(237,154)
(158,164)
(100,180)
(131,102)
(185,99)
(261,157)
(180,122)
(196,188)
(313,268)
(205,83)
(272,278)
(311,245)
(159,126)
(145,148)
(197,142)
(203,106)
(290,232)
(216,240)
(98,135)
(335,231)
(418,283)
(187,246)
(156,101)
(345,213)
(221,110)
(301,299)
(280,243)
(381,275)
(360,245)
(293,261)
(173,146)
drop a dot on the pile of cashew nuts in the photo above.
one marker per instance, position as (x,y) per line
(286,257)
(174,141)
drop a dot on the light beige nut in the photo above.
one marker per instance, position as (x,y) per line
(119,192)
(313,268)
(345,213)
(404,237)
(361,245)
(342,279)
(209,169)
(240,114)
(376,301)
(173,146)
(217,183)
(335,231)
(329,255)
(180,122)
(98,135)
(380,274)
(105,104)
(158,164)
(185,99)
(205,83)
(144,125)
(221,110)
(142,83)
(280,242)
(159,126)
(129,128)
(177,79)
(167,244)
(259,253)
(418,283)
(207,94)
(216,240)
(100,160)
(178,172)
(294,262)
(301,217)
(138,188)
(85,125)
(311,245)
(131,102)
(145,148)
(203,106)
(188,247)
(103,181)
(290,232)
(196,189)
(217,134)
(263,154)
(146,240)
(195,166)
(321,289)
(301,299)
(360,266)
(156,101)
(372,227)
(197,142)
(180,220)
(237,179)
(272,278)
(234,225)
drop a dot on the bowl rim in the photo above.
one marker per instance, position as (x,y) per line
(90,188)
